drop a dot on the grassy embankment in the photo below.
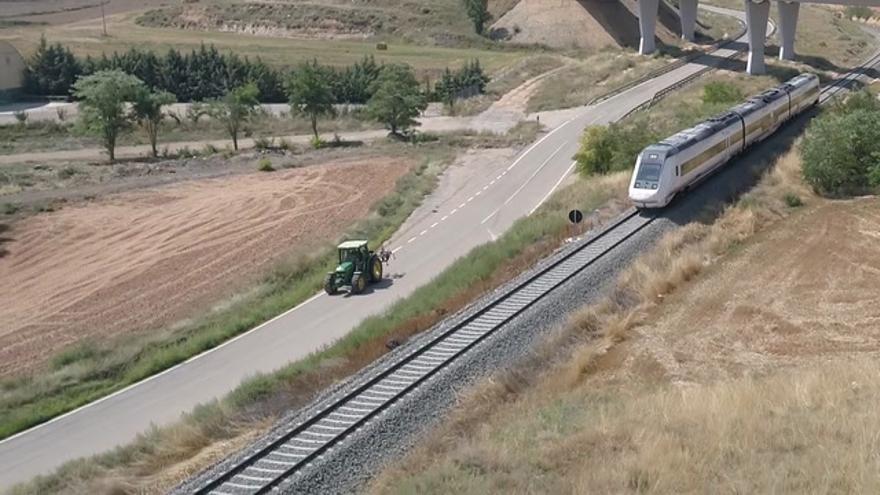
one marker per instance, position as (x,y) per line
(222,426)
(427,56)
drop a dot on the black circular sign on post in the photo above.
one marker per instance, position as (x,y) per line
(575,216)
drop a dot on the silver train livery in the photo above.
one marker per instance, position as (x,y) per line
(670,166)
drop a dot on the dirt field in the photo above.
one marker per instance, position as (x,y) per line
(815,300)
(142,259)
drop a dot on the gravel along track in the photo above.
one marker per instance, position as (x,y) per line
(340,441)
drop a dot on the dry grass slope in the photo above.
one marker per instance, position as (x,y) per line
(635,408)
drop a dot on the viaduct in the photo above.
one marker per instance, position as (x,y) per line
(757,14)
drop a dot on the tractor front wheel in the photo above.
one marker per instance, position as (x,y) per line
(329,286)
(375,269)
(358,283)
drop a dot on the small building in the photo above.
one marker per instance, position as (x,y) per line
(11,70)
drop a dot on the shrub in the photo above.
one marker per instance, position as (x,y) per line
(841,152)
(9,208)
(61,113)
(67,172)
(612,148)
(21,117)
(265,165)
(793,200)
(721,92)
(262,143)
(209,149)
(317,142)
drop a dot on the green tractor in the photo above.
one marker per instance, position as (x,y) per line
(357,266)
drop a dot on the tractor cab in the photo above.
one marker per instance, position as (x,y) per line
(357,266)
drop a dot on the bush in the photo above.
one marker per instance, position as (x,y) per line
(612,148)
(717,92)
(67,172)
(793,200)
(317,142)
(265,165)
(21,117)
(841,152)
(262,143)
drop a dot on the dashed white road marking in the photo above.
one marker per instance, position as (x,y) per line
(477,193)
(461,205)
(469,199)
(423,232)
(486,187)
(492,182)
(564,175)
(411,240)
(433,225)
(453,211)
(398,248)
(444,218)
(523,185)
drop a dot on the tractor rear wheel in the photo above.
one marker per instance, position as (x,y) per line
(358,283)
(375,269)
(329,286)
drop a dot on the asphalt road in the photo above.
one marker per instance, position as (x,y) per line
(468,217)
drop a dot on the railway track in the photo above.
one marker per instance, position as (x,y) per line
(835,87)
(305,442)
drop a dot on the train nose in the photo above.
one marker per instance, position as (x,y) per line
(643,195)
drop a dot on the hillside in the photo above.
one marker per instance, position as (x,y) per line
(590,24)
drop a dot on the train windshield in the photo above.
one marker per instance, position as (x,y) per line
(649,172)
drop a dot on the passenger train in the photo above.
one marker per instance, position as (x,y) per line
(672,165)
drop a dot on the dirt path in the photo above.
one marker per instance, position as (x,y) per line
(148,258)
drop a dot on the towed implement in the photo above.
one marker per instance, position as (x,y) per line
(357,267)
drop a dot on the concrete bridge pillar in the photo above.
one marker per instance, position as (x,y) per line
(788,16)
(756,22)
(647,25)
(687,11)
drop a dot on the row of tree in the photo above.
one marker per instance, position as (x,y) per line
(206,73)
(113,101)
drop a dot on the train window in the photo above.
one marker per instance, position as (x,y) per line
(649,172)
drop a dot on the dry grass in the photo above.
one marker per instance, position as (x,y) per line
(584,414)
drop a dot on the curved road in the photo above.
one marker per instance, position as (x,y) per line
(469,217)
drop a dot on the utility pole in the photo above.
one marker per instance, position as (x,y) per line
(103,20)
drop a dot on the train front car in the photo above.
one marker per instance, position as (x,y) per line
(651,181)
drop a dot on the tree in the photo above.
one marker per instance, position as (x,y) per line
(102,98)
(51,70)
(397,99)
(478,12)
(596,152)
(841,152)
(310,93)
(147,109)
(235,109)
